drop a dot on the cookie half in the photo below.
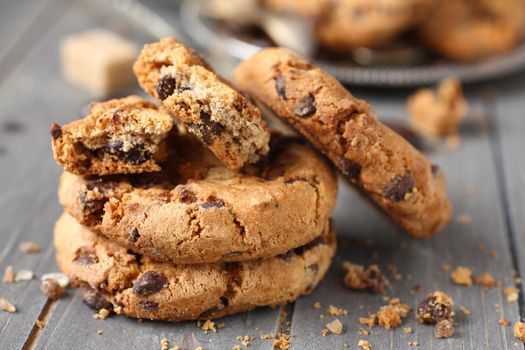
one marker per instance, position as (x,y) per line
(209,106)
(396,176)
(198,211)
(120,136)
(139,287)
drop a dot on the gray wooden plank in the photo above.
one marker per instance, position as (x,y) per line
(508,107)
(471,166)
(35,97)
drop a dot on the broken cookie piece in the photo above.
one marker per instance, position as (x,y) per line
(211,109)
(435,307)
(440,112)
(120,136)
(359,278)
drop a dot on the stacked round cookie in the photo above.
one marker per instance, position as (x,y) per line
(194,210)
(190,215)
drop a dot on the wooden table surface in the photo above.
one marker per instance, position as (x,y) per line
(486,181)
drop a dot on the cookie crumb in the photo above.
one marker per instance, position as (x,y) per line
(363,331)
(364,344)
(334,311)
(464,218)
(464,310)
(390,316)
(335,327)
(324,332)
(245,340)
(444,329)
(486,280)
(511,293)
(371,321)
(209,325)
(29,247)
(435,307)
(164,344)
(407,330)
(413,343)
(519,331)
(462,275)
(6,306)
(40,324)
(99,332)
(504,322)
(236,347)
(317,305)
(102,314)
(51,288)
(9,274)
(24,275)
(359,278)
(267,336)
(282,342)
(61,278)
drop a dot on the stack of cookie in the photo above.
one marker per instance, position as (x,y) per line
(194,210)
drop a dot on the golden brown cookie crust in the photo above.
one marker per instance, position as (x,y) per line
(396,176)
(471,30)
(139,287)
(208,105)
(198,211)
(120,136)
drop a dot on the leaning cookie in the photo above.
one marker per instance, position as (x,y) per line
(198,211)
(139,287)
(467,30)
(396,176)
(120,136)
(208,105)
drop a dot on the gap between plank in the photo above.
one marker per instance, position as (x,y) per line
(46,312)
(488,102)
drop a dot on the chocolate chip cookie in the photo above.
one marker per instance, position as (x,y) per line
(120,136)
(344,25)
(467,30)
(196,210)
(382,164)
(208,105)
(137,286)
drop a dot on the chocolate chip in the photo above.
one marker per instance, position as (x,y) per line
(149,283)
(350,168)
(56,131)
(149,305)
(287,256)
(185,195)
(87,259)
(137,155)
(213,203)
(95,299)
(314,268)
(400,186)
(280,87)
(165,87)
(207,129)
(117,116)
(434,308)
(434,168)
(372,278)
(134,235)
(94,208)
(13,126)
(312,244)
(306,106)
